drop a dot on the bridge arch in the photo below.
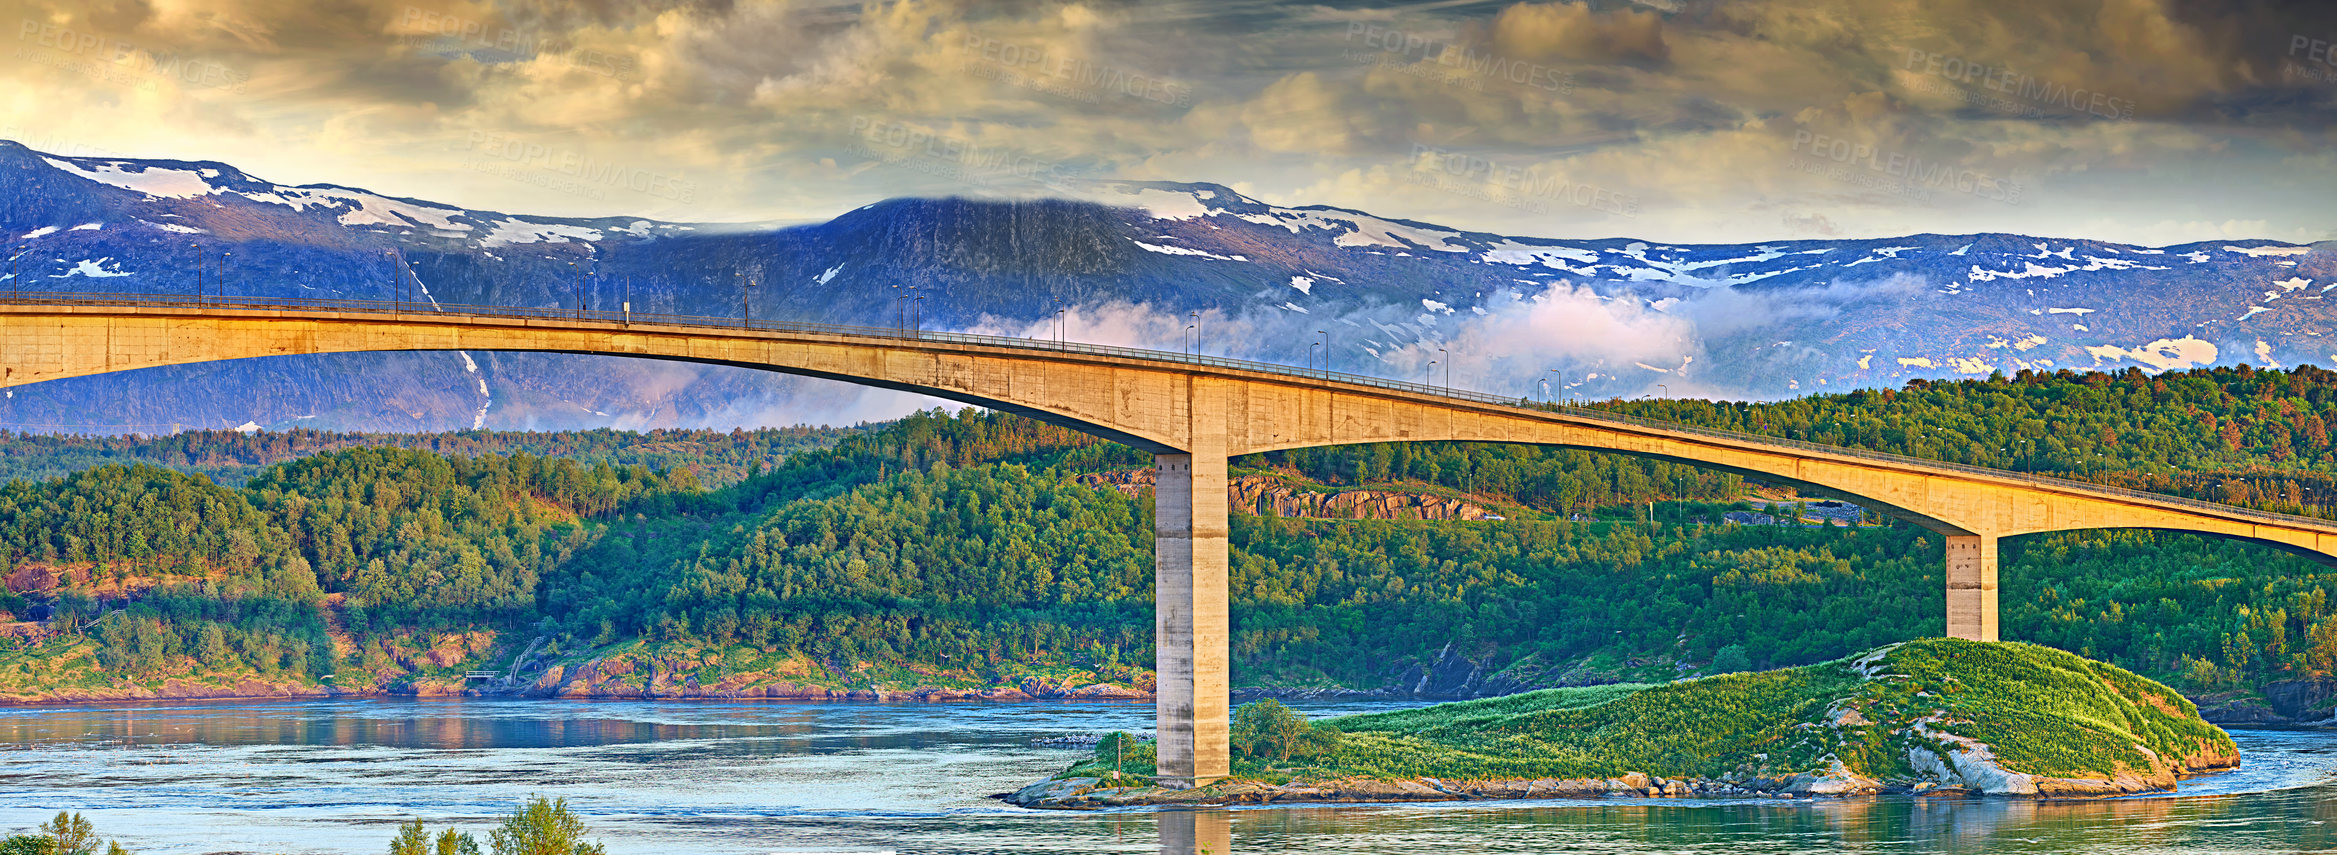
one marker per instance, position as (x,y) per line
(1191,412)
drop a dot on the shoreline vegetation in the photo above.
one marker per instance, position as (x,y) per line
(538,826)
(1930,717)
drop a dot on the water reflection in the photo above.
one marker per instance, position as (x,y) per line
(735,778)
(1196,832)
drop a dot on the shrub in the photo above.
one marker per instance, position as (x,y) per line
(543,827)
(1731,659)
(1267,730)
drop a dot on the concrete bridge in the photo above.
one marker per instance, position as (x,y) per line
(1191,412)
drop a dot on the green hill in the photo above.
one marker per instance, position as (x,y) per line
(1931,715)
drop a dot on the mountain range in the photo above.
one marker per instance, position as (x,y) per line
(1152,264)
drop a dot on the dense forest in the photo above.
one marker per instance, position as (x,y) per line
(964,544)
(2239,435)
(718,458)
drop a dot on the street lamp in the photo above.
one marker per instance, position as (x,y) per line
(1326,334)
(1195,326)
(745,311)
(917,316)
(1448,371)
(1310,353)
(16,274)
(1430,380)
(222,289)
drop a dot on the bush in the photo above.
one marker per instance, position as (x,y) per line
(543,827)
(1731,659)
(1268,731)
(68,834)
(413,839)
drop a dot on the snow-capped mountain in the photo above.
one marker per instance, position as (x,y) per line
(1132,263)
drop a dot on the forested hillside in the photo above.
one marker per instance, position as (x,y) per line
(960,552)
(2239,434)
(718,458)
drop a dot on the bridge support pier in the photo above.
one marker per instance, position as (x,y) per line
(1190,624)
(1971,587)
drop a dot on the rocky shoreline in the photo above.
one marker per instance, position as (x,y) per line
(1098,793)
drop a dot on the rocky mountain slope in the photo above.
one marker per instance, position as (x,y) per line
(1148,264)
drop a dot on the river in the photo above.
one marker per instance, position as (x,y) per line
(680,778)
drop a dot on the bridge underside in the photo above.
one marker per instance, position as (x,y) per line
(1191,414)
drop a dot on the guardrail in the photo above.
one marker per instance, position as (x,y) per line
(401,308)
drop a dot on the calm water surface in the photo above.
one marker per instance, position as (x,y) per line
(334,776)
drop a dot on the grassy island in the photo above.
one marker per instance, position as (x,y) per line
(1936,715)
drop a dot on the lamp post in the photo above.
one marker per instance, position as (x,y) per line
(198,248)
(1430,380)
(1448,371)
(1196,327)
(1326,334)
(1561,386)
(222,287)
(16,274)
(745,310)
(917,316)
(1310,354)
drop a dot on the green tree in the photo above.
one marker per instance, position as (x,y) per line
(1267,730)
(412,839)
(28,844)
(1731,659)
(452,842)
(543,826)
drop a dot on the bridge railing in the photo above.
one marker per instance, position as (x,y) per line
(409,307)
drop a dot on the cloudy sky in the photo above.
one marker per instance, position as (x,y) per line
(2150,121)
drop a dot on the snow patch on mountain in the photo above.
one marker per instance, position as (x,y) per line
(2263,251)
(94,270)
(1178,250)
(156,181)
(1358,229)
(1530,255)
(2162,355)
(511,230)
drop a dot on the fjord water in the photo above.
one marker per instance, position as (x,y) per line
(679,778)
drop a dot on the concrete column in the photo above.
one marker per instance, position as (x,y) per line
(1190,626)
(1195,832)
(1971,587)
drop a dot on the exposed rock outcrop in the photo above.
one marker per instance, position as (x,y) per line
(1267,496)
